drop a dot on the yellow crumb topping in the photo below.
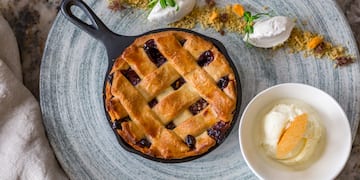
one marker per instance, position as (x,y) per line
(218,18)
(132,3)
(313,44)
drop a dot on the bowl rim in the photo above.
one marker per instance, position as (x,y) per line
(312,88)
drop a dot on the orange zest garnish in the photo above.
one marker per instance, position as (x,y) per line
(314,42)
(238,9)
(213,16)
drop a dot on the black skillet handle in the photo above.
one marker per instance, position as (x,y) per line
(96,29)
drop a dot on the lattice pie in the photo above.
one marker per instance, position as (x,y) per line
(171,95)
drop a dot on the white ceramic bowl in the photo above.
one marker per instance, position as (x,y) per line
(337,146)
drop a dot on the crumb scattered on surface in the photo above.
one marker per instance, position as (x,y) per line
(121,4)
(115,5)
(299,40)
(225,19)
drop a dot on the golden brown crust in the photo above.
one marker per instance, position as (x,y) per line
(146,106)
(158,80)
(169,107)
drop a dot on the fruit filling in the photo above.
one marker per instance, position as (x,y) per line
(153,53)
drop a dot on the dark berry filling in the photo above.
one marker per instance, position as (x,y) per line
(182,42)
(198,106)
(144,143)
(131,76)
(205,58)
(178,83)
(190,141)
(117,123)
(153,102)
(153,53)
(223,82)
(218,131)
(170,126)
(110,78)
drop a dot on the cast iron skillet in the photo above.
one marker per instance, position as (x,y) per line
(115,44)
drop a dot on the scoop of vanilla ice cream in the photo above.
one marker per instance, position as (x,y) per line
(271,32)
(171,14)
(278,119)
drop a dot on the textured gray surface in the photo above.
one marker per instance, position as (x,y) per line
(72,77)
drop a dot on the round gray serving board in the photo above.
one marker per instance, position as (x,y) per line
(74,65)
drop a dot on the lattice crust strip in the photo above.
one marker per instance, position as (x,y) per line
(171,95)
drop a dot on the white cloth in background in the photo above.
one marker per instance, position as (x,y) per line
(25,152)
(353,15)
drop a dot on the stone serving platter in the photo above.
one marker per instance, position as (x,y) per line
(74,65)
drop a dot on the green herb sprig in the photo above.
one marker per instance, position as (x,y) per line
(163,4)
(249,27)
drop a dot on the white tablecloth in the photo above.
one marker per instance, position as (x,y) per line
(25,152)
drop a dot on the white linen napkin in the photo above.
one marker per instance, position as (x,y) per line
(25,152)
